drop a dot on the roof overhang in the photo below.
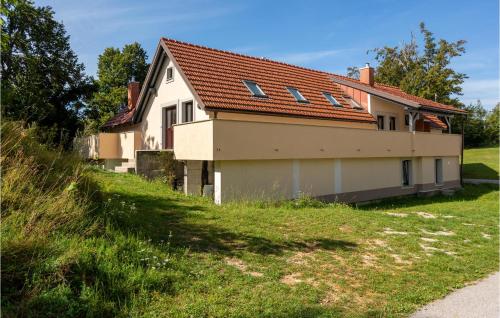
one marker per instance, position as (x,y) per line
(395,99)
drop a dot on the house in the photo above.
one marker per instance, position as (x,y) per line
(253,128)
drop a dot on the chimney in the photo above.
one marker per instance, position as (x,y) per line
(366,75)
(134,89)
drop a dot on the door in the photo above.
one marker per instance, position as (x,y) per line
(171,119)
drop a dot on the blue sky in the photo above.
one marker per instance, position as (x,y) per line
(325,35)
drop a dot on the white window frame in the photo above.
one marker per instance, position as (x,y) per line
(168,80)
(183,111)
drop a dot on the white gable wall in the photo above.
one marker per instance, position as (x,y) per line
(171,93)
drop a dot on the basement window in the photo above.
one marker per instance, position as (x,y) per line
(298,96)
(254,88)
(438,165)
(406,173)
(170,74)
(332,99)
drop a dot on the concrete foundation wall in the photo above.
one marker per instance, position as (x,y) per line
(347,178)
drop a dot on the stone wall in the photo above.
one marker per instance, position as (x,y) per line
(148,164)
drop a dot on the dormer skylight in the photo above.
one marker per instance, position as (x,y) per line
(298,96)
(254,88)
(332,99)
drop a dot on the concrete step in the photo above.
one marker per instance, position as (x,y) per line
(128,164)
(122,169)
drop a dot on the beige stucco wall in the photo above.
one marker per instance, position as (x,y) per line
(294,120)
(245,140)
(386,108)
(286,179)
(172,93)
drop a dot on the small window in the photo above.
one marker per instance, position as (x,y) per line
(438,163)
(170,74)
(380,122)
(187,112)
(332,99)
(392,123)
(406,167)
(254,88)
(298,96)
(407,120)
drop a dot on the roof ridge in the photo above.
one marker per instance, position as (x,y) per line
(247,56)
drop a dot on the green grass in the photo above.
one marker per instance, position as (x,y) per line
(246,260)
(97,244)
(481,163)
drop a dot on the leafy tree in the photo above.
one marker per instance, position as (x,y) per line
(353,72)
(492,125)
(115,69)
(42,81)
(425,74)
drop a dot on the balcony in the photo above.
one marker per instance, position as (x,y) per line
(109,145)
(244,140)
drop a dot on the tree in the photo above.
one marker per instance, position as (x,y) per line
(492,125)
(353,72)
(425,74)
(42,80)
(115,69)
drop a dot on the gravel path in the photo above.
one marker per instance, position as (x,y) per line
(478,181)
(481,300)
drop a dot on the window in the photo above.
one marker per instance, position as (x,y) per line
(406,165)
(170,74)
(407,120)
(254,88)
(438,165)
(298,96)
(392,123)
(332,99)
(380,122)
(187,112)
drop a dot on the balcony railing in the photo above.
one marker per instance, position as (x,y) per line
(244,140)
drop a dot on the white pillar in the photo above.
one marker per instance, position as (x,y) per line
(217,182)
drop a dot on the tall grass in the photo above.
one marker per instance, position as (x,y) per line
(64,253)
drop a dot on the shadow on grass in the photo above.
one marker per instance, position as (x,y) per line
(479,171)
(157,216)
(468,193)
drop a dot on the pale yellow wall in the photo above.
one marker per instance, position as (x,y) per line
(285,179)
(172,93)
(373,173)
(294,120)
(244,180)
(385,108)
(244,140)
(194,144)
(108,146)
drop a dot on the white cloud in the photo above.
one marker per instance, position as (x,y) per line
(486,90)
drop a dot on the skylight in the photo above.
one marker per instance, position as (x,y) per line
(332,99)
(254,88)
(298,96)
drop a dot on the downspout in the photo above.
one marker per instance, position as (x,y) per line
(462,154)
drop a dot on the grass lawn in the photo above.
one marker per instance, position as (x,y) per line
(481,163)
(300,259)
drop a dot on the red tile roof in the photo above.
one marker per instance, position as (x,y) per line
(121,119)
(396,91)
(217,77)
(435,121)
